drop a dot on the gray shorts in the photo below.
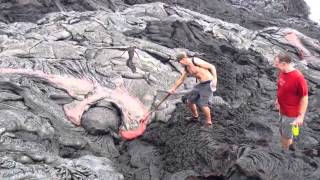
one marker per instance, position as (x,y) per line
(285,126)
(201,94)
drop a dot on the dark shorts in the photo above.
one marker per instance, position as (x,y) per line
(286,127)
(201,94)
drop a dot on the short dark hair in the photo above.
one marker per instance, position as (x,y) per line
(284,57)
(181,55)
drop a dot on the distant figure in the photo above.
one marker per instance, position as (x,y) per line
(292,97)
(131,50)
(202,92)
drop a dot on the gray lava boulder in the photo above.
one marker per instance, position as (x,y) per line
(100,120)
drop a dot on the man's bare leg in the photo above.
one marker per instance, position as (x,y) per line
(285,143)
(207,114)
(194,110)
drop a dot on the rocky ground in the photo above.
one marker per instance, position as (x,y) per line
(77,75)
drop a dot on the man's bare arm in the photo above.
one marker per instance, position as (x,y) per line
(276,103)
(179,82)
(214,74)
(303,105)
(303,108)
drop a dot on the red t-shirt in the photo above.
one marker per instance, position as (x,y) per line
(291,88)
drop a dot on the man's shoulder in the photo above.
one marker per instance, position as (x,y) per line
(197,59)
(298,73)
(199,62)
(299,77)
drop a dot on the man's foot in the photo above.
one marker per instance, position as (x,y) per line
(208,125)
(192,119)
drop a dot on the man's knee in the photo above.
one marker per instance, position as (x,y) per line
(192,105)
(286,129)
(205,107)
(286,135)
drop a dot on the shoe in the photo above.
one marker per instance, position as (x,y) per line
(292,147)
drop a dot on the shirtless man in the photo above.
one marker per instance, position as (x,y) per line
(202,92)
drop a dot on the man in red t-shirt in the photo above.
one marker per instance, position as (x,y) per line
(292,97)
